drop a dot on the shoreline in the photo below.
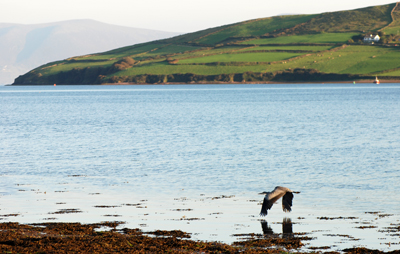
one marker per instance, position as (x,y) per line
(105,237)
(263,82)
(228,83)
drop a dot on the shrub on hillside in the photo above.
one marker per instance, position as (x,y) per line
(123,64)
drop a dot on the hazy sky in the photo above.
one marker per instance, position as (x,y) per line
(166,15)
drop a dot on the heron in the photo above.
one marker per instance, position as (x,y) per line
(271,197)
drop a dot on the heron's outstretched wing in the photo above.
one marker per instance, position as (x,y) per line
(267,204)
(287,202)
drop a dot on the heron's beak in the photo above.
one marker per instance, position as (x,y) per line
(297,192)
(262,193)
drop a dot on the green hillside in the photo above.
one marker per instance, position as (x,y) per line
(320,47)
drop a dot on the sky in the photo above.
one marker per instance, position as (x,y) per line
(166,15)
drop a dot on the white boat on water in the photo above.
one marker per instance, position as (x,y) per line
(376,81)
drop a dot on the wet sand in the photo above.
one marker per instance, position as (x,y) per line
(302,235)
(33,220)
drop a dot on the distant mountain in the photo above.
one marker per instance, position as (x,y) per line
(23,47)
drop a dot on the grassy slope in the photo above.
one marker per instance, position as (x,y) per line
(357,59)
(286,48)
(244,57)
(366,19)
(306,38)
(257,27)
(261,45)
(394,26)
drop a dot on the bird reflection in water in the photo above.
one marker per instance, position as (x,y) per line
(287,228)
(267,230)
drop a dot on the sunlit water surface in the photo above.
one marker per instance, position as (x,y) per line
(194,158)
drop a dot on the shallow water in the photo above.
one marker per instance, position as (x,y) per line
(194,157)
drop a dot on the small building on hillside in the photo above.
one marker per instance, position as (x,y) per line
(372,38)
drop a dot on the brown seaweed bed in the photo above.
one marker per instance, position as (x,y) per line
(105,237)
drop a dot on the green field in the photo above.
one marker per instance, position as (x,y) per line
(165,68)
(71,65)
(351,60)
(136,50)
(171,49)
(243,57)
(208,51)
(357,59)
(393,30)
(308,38)
(392,73)
(287,48)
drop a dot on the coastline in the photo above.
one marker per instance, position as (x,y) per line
(105,237)
(365,81)
(259,82)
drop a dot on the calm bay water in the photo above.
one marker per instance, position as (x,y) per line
(205,150)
